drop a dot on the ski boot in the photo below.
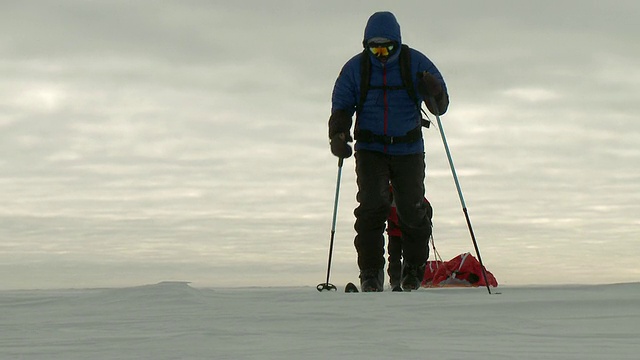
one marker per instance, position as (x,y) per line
(371,280)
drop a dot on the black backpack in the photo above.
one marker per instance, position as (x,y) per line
(405,73)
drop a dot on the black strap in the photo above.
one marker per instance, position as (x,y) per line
(405,74)
(365,79)
(369,137)
(407,84)
(388,87)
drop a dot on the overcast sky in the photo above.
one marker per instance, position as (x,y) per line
(187,140)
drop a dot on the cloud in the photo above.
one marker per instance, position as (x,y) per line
(195,132)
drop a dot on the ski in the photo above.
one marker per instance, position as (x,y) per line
(351,288)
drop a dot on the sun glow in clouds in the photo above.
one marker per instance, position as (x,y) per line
(532,94)
(40,97)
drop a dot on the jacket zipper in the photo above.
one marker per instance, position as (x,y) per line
(386,102)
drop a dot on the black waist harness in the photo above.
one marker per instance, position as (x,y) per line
(369,137)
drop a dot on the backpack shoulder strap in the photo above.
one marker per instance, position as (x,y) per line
(365,79)
(405,73)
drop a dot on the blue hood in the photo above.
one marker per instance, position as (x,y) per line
(382,24)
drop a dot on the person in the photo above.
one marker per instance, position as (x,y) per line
(389,148)
(394,243)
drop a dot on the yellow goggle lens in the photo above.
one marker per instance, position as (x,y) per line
(380,50)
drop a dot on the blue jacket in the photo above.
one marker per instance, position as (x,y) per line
(384,112)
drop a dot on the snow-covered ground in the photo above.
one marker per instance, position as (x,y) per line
(173,320)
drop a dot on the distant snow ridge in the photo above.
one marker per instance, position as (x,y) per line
(162,293)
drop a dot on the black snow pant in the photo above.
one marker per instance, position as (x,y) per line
(394,268)
(374,172)
(394,249)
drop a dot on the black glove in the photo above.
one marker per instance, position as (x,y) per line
(339,129)
(429,86)
(339,145)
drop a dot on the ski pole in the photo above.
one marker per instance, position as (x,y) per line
(327,285)
(455,179)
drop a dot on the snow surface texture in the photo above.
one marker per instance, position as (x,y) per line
(172,320)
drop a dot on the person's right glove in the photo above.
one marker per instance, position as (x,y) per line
(339,145)
(339,129)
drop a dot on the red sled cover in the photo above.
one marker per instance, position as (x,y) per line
(462,270)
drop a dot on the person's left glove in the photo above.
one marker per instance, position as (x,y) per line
(429,86)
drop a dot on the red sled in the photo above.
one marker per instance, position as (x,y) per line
(463,270)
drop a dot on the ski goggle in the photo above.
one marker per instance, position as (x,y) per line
(381,49)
